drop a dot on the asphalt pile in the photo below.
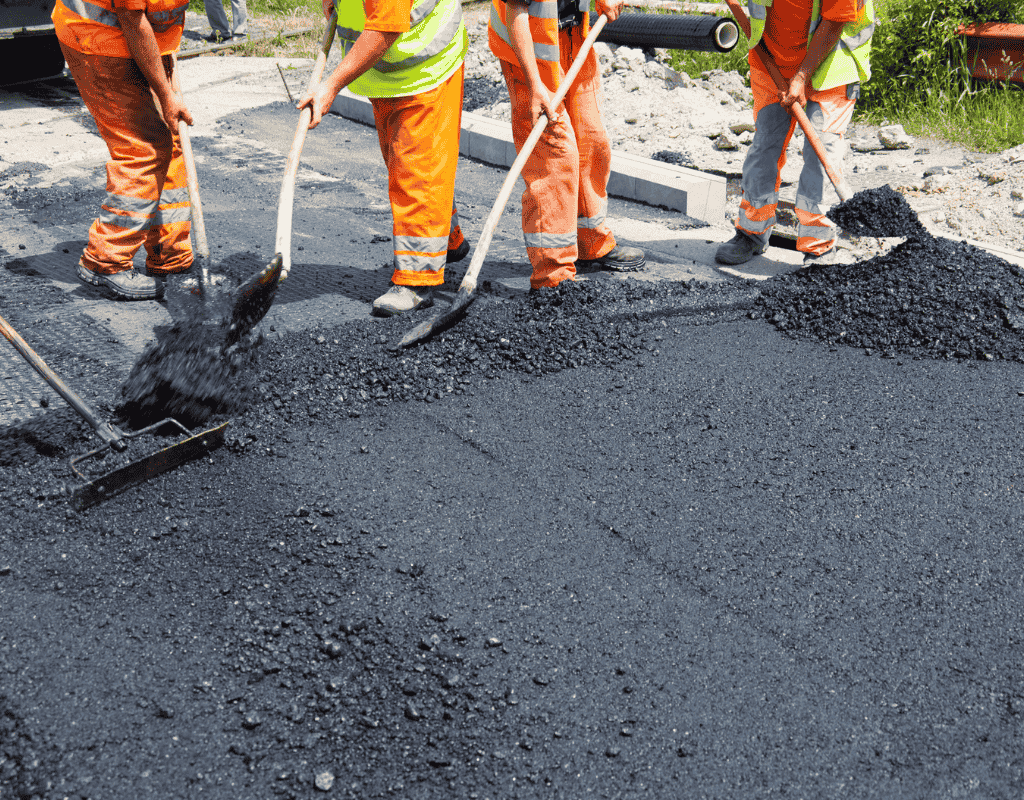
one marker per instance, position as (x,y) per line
(879,212)
(925,297)
(578,324)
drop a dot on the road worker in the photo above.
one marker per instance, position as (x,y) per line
(406,56)
(822,49)
(566,199)
(120,53)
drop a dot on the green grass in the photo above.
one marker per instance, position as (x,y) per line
(988,121)
(282,8)
(921,79)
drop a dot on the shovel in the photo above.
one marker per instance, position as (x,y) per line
(252,300)
(465,296)
(138,471)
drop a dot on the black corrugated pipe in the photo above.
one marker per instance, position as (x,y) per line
(672,31)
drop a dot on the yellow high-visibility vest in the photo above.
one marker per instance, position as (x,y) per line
(848,63)
(422,58)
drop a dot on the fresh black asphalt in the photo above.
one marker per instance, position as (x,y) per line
(725,564)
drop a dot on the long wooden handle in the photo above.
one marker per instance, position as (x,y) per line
(740,16)
(468,284)
(283,242)
(196,204)
(108,432)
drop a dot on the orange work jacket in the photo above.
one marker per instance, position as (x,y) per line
(544,29)
(91,26)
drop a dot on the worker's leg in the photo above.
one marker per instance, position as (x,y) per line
(583,105)
(762,168)
(551,175)
(458,247)
(419,139)
(218,19)
(239,21)
(141,146)
(168,249)
(596,242)
(830,113)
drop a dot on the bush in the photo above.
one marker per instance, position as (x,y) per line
(916,53)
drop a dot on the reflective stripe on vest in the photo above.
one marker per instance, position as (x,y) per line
(420,59)
(849,62)
(92,26)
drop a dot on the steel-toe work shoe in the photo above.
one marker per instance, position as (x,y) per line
(739,249)
(400,299)
(620,259)
(458,253)
(127,285)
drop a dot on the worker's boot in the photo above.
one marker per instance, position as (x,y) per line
(400,299)
(458,253)
(620,259)
(127,285)
(739,249)
(826,258)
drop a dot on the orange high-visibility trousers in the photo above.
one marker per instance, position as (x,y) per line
(830,112)
(147,189)
(565,204)
(419,139)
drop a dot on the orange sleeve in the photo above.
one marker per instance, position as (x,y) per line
(839,10)
(390,16)
(129,5)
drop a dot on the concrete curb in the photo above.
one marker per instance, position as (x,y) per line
(644,180)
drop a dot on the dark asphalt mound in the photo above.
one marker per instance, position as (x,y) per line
(928,297)
(586,323)
(881,212)
(185,375)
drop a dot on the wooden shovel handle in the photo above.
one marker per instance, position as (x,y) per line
(286,200)
(195,203)
(740,16)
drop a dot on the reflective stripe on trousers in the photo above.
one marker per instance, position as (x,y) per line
(830,112)
(419,139)
(147,192)
(566,176)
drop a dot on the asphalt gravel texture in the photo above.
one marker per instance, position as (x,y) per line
(615,540)
(879,212)
(927,296)
(644,546)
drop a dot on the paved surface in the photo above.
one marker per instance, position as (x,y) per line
(244,128)
(737,566)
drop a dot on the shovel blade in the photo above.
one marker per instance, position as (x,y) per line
(143,469)
(253,300)
(440,322)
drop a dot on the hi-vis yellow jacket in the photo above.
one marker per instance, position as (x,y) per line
(849,62)
(421,59)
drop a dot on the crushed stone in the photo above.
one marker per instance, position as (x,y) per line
(927,297)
